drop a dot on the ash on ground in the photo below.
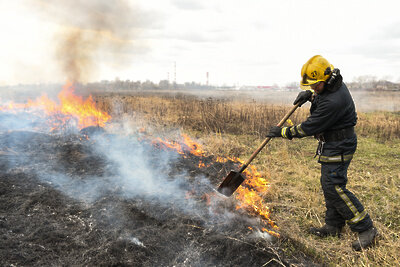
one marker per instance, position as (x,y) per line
(106,200)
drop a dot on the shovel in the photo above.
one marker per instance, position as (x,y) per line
(234,179)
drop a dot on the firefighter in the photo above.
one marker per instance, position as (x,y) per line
(332,120)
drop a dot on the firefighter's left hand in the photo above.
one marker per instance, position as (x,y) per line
(275,131)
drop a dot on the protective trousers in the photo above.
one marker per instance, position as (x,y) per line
(341,205)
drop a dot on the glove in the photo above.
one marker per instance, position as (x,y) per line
(275,131)
(303,97)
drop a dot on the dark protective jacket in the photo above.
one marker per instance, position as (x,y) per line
(331,111)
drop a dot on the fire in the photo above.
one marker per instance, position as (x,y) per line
(195,148)
(187,145)
(71,107)
(168,144)
(250,195)
(84,111)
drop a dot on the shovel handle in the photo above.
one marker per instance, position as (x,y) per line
(290,112)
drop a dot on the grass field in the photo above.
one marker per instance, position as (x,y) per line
(236,128)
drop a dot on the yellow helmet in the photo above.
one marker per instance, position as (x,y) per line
(315,70)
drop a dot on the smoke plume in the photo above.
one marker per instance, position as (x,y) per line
(91,32)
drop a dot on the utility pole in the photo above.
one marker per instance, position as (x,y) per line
(169,82)
(207,78)
(175,74)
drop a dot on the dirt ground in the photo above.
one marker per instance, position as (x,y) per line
(61,204)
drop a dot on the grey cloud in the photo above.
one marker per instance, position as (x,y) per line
(188,5)
(195,37)
(378,50)
(261,25)
(389,33)
(259,62)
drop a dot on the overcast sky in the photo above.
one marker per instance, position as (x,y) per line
(237,42)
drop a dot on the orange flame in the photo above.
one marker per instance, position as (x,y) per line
(84,111)
(188,145)
(194,147)
(167,144)
(71,106)
(250,195)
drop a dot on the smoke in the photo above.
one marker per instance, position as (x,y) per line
(145,172)
(19,121)
(75,56)
(91,32)
(120,176)
(123,164)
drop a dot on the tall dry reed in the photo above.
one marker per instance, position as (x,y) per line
(231,116)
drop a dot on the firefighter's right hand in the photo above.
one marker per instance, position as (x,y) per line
(275,131)
(303,97)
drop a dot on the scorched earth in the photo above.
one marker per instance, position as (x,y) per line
(90,197)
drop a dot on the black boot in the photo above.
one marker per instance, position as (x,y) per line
(326,230)
(365,239)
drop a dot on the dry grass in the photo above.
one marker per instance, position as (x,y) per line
(381,125)
(297,201)
(372,177)
(210,115)
(231,117)
(234,129)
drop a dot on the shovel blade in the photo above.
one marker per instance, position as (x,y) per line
(230,183)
